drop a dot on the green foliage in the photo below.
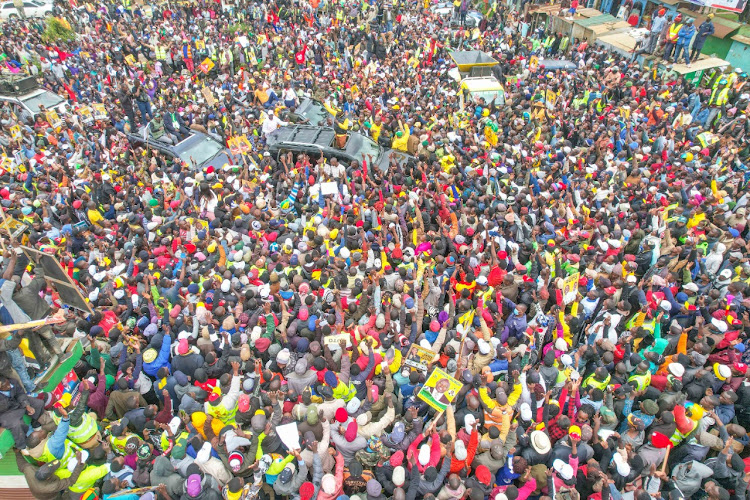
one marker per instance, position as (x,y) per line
(57,31)
(241,28)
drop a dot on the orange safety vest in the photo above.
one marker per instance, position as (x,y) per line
(674,30)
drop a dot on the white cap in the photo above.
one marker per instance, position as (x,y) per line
(719,324)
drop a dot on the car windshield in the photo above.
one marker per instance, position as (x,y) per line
(201,151)
(359,145)
(46,99)
(488,96)
(314,114)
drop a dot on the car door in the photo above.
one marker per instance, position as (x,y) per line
(32,10)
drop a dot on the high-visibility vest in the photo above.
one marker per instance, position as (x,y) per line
(161,54)
(345,392)
(220,411)
(678,437)
(673,32)
(641,381)
(119,442)
(187,52)
(723,97)
(599,384)
(82,433)
(69,453)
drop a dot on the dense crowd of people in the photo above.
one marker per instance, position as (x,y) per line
(544,297)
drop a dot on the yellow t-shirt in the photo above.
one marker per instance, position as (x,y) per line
(95,217)
(262,95)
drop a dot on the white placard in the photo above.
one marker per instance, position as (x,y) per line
(289,435)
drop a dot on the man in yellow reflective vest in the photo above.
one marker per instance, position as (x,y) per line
(84,430)
(673,33)
(45,448)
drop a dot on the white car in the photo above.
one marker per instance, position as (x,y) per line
(26,106)
(31,8)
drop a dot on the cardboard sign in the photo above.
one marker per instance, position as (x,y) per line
(210,99)
(54,119)
(418,358)
(335,339)
(100,112)
(54,273)
(570,288)
(439,390)
(207,65)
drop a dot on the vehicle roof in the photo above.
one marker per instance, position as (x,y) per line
(193,137)
(28,95)
(481,84)
(301,134)
(466,59)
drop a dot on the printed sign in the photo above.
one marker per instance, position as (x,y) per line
(207,65)
(86,114)
(439,390)
(234,146)
(130,60)
(244,144)
(100,113)
(54,119)
(200,45)
(15,132)
(418,358)
(570,288)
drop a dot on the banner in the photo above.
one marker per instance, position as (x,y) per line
(418,358)
(439,390)
(733,5)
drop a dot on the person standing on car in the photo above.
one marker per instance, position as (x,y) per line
(463,10)
(143,101)
(126,100)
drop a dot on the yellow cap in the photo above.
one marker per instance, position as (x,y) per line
(149,355)
(65,399)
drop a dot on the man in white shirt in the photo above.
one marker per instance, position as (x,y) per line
(272,123)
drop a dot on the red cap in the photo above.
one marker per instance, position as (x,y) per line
(341,415)
(483,475)
(306,491)
(740,367)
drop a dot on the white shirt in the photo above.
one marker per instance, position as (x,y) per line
(272,123)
